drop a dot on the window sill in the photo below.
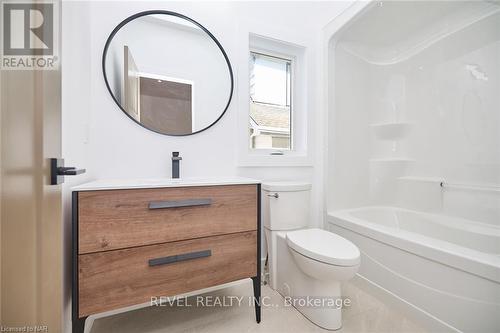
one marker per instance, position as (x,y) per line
(275,161)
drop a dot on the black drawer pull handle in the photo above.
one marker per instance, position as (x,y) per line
(179,203)
(180,257)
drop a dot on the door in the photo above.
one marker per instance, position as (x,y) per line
(30,208)
(31,219)
(131,84)
(166,105)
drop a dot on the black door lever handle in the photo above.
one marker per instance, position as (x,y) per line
(58,171)
(69,171)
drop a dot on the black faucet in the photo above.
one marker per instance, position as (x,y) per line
(175,164)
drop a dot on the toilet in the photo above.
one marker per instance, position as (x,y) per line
(306,265)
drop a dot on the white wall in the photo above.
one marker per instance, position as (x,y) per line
(100,138)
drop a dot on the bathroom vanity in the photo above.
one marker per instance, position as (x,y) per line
(134,240)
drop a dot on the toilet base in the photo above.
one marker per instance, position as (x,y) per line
(319,301)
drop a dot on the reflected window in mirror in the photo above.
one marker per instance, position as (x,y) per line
(270,121)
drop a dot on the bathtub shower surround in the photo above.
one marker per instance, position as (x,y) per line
(414,156)
(444,265)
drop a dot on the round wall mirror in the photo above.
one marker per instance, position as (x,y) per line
(167,72)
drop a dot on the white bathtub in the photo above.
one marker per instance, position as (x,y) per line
(447,268)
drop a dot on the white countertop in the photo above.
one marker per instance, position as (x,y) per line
(115,184)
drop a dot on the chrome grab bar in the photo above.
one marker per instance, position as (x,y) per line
(472,187)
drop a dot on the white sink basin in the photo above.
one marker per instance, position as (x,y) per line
(110,184)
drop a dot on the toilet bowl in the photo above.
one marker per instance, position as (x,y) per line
(323,255)
(306,265)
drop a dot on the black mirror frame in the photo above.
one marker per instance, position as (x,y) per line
(166,12)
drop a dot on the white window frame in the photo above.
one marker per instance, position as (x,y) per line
(299,154)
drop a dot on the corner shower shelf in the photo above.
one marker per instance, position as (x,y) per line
(391,130)
(437,180)
(394,166)
(389,168)
(392,160)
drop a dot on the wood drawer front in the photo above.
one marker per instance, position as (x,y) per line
(114,279)
(117,219)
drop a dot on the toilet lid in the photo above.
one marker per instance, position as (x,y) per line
(324,246)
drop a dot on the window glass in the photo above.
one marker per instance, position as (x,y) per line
(270,102)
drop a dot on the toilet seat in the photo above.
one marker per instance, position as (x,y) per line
(324,246)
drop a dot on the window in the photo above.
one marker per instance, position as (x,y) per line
(275,112)
(270,121)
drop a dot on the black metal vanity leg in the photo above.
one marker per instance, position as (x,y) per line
(256,279)
(257,299)
(79,325)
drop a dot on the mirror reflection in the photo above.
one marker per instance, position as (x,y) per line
(167,73)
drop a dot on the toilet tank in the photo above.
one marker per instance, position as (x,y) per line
(285,205)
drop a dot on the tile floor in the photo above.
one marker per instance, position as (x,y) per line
(366,314)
